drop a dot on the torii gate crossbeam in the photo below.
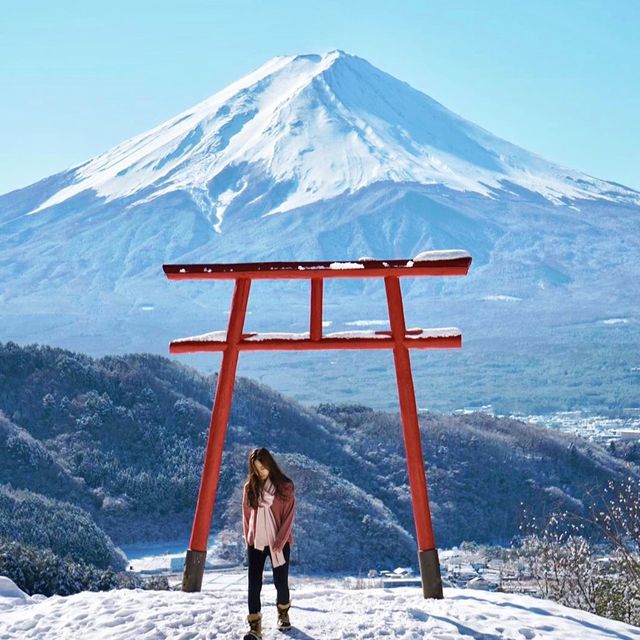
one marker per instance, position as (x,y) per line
(398,338)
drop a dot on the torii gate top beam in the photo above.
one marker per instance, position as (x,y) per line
(430,263)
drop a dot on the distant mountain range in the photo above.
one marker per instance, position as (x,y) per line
(327,157)
(95,451)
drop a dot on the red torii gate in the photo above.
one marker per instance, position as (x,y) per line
(399,338)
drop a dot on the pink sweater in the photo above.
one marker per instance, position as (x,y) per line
(283,512)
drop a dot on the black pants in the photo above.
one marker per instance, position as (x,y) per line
(256,560)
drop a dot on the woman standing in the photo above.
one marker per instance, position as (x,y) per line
(268,507)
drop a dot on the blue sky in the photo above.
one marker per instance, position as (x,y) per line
(560,78)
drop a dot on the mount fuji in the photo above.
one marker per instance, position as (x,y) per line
(327,157)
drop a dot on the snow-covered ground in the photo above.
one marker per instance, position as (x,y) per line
(155,557)
(322,609)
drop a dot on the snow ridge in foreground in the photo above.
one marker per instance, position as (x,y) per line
(322,609)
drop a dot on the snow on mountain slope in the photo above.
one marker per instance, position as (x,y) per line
(322,126)
(320,610)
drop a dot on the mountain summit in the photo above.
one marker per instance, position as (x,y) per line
(314,127)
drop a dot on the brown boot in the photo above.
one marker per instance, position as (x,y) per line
(255,632)
(283,616)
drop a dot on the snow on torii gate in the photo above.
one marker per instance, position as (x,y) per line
(399,338)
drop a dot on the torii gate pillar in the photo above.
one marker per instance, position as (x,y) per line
(427,553)
(197,552)
(398,338)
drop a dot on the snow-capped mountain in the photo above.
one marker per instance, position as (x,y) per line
(315,157)
(322,126)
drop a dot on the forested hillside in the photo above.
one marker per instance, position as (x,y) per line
(122,438)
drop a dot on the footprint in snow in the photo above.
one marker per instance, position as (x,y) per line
(418,614)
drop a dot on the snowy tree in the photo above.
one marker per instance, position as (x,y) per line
(561,554)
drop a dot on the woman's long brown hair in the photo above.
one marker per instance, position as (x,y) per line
(253,486)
